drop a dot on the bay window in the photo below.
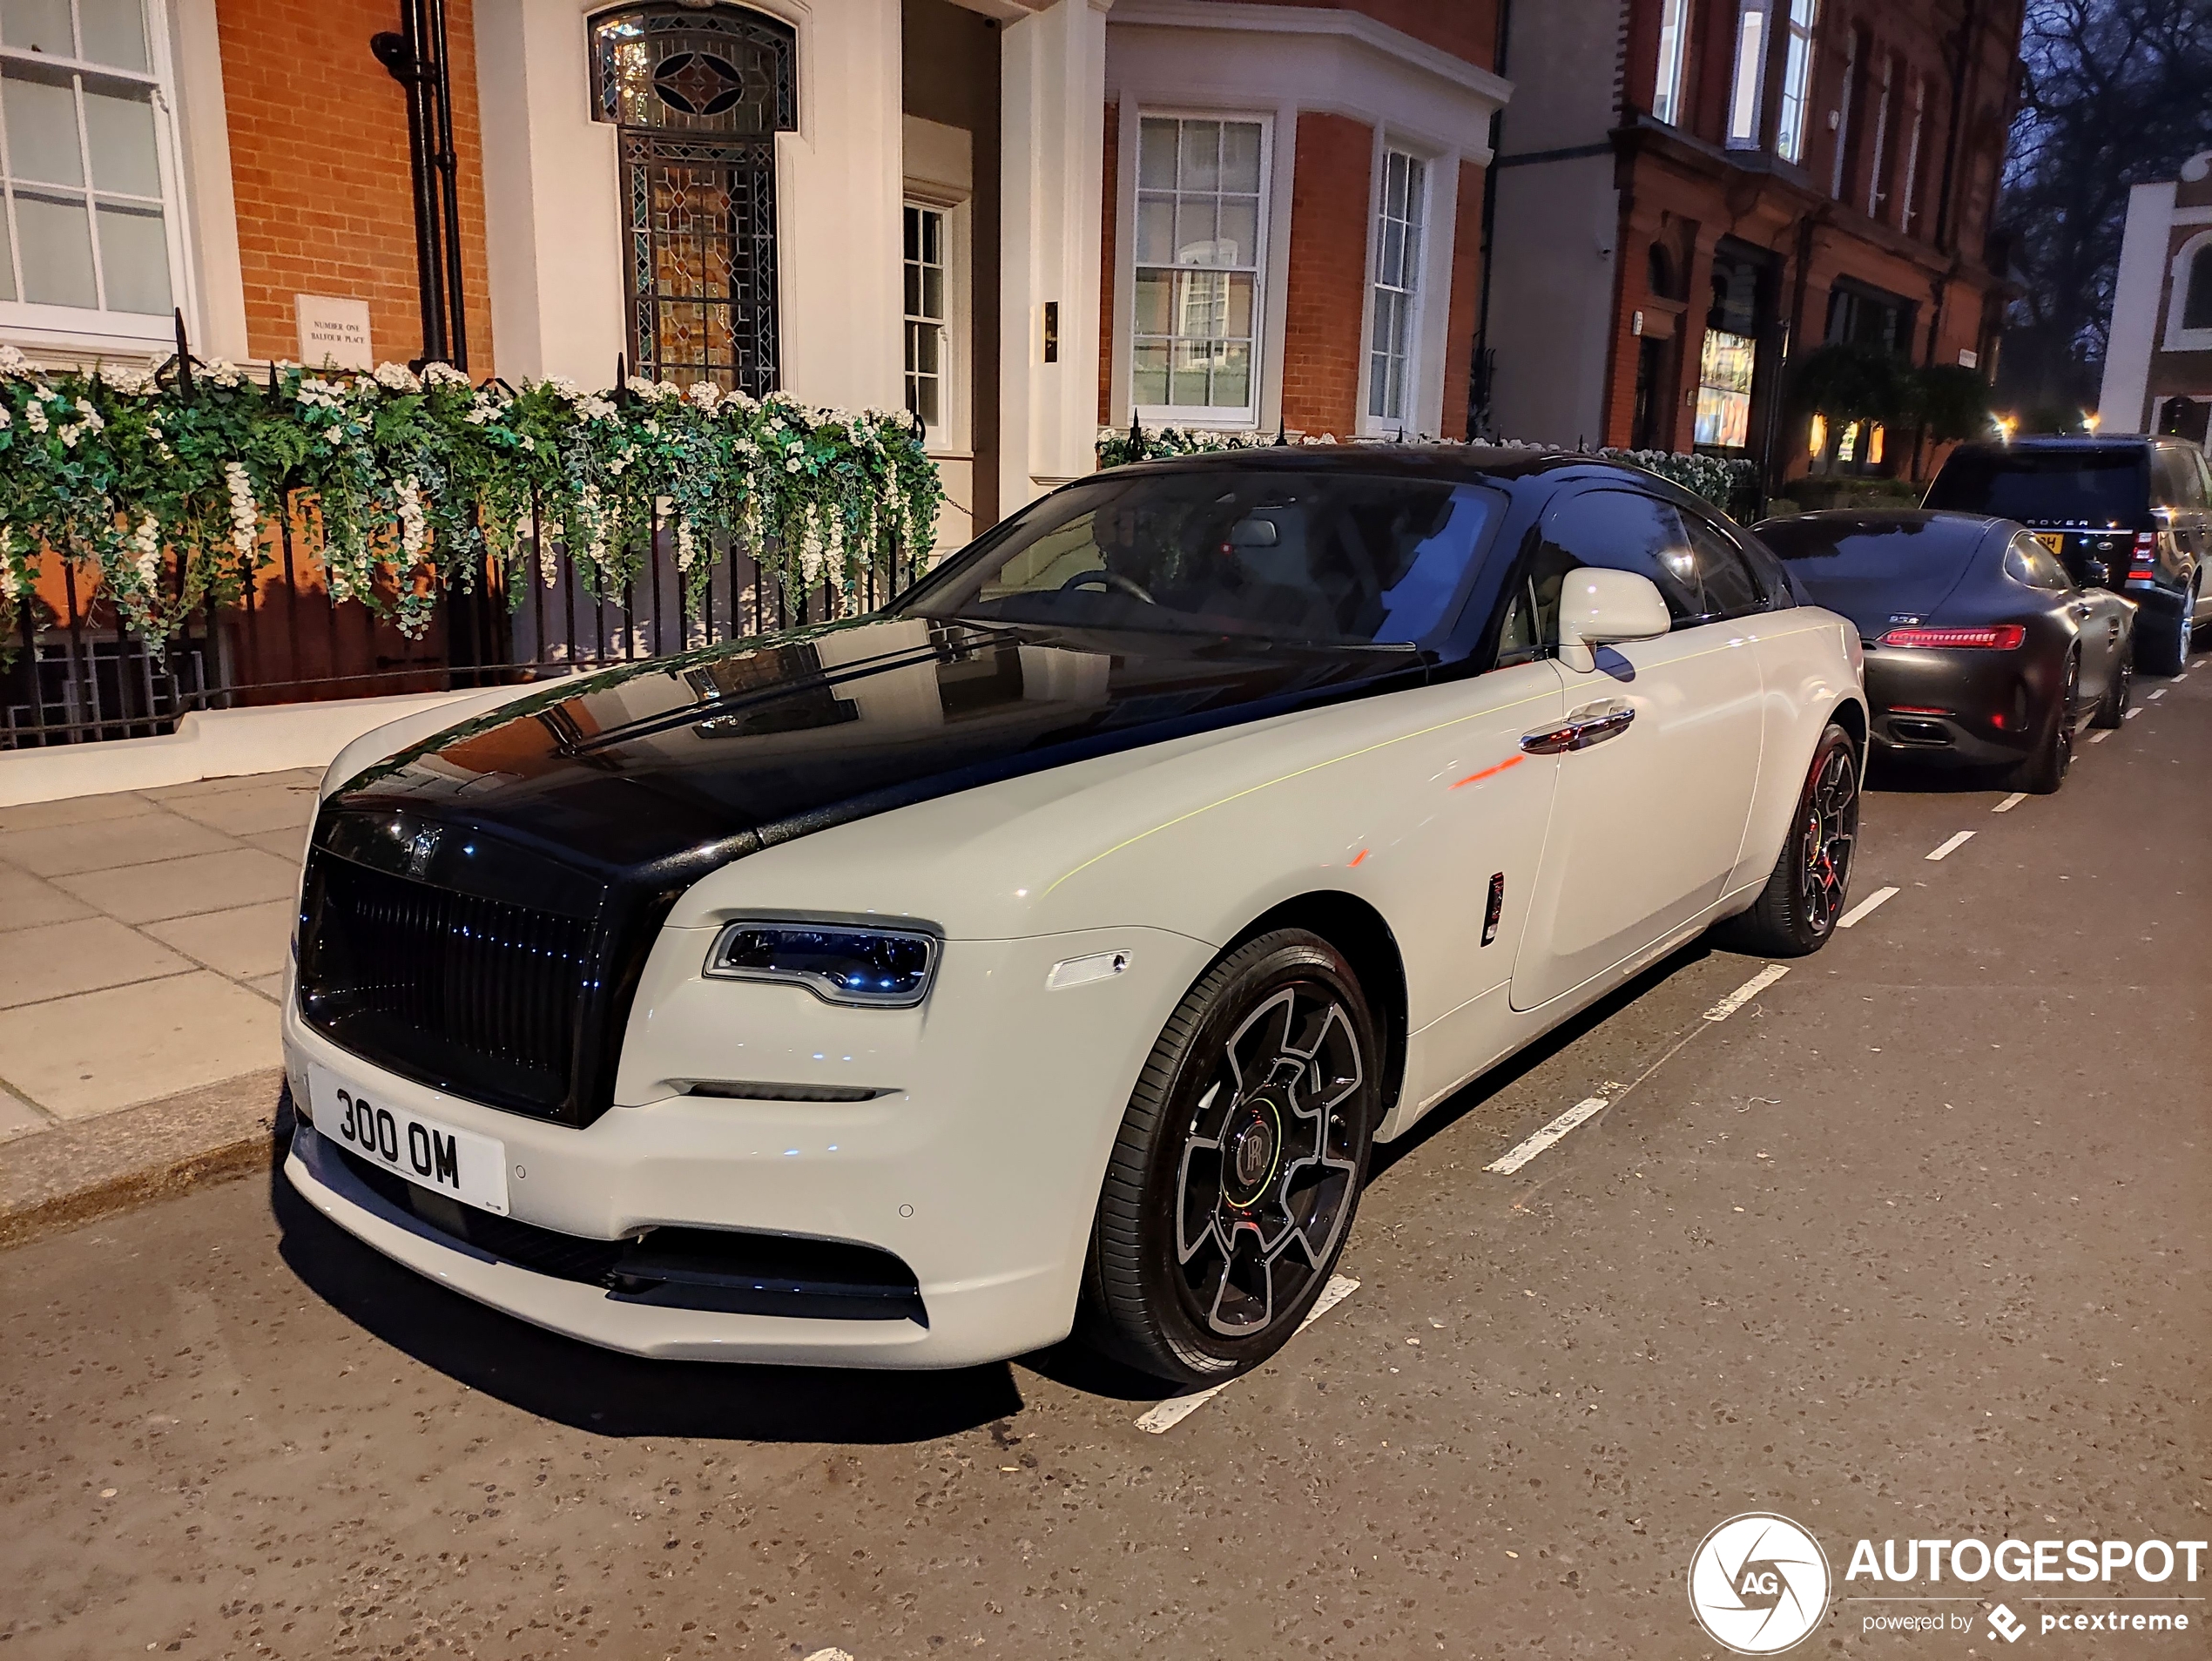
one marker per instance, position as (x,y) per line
(1201,193)
(1400,213)
(90,246)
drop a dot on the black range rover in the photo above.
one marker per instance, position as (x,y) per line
(2121,512)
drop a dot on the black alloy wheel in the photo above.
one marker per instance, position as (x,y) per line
(1238,1166)
(1796,911)
(2045,770)
(2165,650)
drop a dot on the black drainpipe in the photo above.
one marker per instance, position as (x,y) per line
(1484,362)
(416,59)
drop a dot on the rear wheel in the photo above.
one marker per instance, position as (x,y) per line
(1238,1166)
(1795,912)
(2112,709)
(2045,770)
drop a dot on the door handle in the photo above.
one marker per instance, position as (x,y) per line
(1592,724)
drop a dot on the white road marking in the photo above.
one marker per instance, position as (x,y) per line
(1953,846)
(1743,993)
(2131,713)
(1859,912)
(1172,1412)
(1522,1152)
(2160,693)
(2010,802)
(2098,738)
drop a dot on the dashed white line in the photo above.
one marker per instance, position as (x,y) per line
(1521,1152)
(1859,912)
(2131,713)
(2098,738)
(2010,802)
(1172,1412)
(1953,846)
(2160,693)
(1743,993)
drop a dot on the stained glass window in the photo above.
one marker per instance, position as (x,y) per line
(699,94)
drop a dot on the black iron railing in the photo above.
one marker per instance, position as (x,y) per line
(75,675)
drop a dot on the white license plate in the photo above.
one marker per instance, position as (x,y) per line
(431,1154)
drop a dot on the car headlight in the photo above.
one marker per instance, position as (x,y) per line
(881,968)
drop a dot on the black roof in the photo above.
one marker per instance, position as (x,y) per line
(1496,463)
(2063,442)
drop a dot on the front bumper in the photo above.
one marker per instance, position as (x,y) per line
(980,1172)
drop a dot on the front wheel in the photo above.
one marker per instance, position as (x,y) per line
(1238,1166)
(1796,911)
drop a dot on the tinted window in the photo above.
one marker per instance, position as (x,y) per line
(1732,588)
(2108,486)
(1623,531)
(2174,477)
(2028,561)
(1324,558)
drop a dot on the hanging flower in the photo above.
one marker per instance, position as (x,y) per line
(146,543)
(397,377)
(245,512)
(415,524)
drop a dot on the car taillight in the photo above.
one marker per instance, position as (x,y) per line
(2145,557)
(2001,636)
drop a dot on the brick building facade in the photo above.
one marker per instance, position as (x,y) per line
(1753,178)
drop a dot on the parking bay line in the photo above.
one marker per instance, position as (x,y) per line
(2098,738)
(1865,907)
(2131,713)
(1952,846)
(1165,1415)
(2160,693)
(2010,802)
(1590,1106)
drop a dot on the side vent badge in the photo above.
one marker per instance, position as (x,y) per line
(1495,909)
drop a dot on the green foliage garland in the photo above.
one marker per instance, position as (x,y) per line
(169,487)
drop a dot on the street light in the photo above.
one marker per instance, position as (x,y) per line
(2090,419)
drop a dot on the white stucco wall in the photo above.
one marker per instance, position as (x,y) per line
(2122,405)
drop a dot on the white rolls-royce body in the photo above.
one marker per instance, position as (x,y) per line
(1048,952)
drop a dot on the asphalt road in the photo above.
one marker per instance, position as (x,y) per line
(1911,1244)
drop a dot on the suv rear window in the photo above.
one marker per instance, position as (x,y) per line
(2092,487)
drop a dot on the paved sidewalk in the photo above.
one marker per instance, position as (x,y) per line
(143,938)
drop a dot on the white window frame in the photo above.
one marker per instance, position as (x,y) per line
(951,434)
(1848,90)
(1913,153)
(1747,83)
(93,331)
(1798,62)
(1674,46)
(2185,257)
(1880,159)
(1413,392)
(1224,416)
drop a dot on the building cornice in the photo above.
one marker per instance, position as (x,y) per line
(1237,16)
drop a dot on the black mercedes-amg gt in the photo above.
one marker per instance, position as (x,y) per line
(1980,650)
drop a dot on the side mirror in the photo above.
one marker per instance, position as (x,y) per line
(1600,607)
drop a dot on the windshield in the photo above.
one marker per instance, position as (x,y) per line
(1326,559)
(2046,487)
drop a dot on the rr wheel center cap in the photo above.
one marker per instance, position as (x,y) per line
(1254,1146)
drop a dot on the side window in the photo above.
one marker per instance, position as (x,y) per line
(2028,561)
(1621,530)
(1732,587)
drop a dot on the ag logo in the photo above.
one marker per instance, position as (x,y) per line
(1758,1583)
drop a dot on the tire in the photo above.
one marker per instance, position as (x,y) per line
(1795,912)
(2164,649)
(2045,770)
(1238,1166)
(2112,708)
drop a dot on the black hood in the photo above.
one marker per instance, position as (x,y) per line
(663,770)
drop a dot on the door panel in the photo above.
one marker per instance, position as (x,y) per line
(1647,820)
